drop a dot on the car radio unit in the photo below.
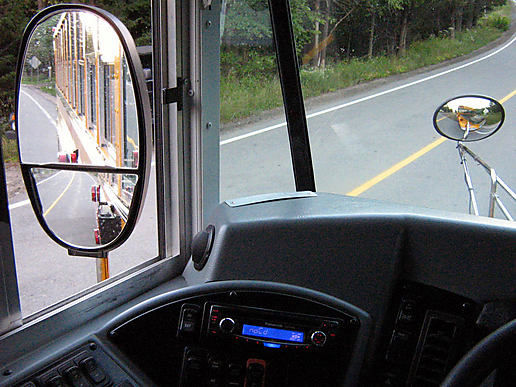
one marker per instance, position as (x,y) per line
(276,329)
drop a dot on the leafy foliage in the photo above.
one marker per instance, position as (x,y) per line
(13,18)
(497,21)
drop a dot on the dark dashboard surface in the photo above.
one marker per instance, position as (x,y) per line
(419,282)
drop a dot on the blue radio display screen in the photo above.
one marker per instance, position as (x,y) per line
(272,333)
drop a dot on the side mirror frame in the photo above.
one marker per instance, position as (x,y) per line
(143,113)
(472,97)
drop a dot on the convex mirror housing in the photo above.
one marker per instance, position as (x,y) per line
(83,120)
(469,118)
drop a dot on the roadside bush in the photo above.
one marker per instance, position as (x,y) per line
(243,63)
(497,21)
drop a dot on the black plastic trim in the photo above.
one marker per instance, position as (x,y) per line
(292,95)
(174,94)
(478,363)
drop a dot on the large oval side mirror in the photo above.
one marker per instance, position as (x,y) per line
(83,125)
(469,118)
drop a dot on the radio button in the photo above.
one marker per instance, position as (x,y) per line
(318,338)
(227,324)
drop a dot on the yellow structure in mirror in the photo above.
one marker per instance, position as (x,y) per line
(95,101)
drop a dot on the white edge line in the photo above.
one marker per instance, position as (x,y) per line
(250,134)
(27,201)
(48,178)
(329,110)
(52,121)
(325,111)
(19,204)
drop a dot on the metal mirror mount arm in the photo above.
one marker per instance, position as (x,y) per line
(473,204)
(469,118)
(142,118)
(496,181)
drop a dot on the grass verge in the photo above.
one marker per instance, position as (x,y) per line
(245,97)
(9,150)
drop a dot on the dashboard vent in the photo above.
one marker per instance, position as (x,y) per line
(436,350)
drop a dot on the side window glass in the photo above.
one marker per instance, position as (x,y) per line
(254,146)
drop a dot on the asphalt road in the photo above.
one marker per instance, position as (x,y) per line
(67,206)
(375,142)
(38,115)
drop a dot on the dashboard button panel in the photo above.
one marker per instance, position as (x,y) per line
(86,366)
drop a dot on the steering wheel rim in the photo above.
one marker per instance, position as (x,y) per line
(483,358)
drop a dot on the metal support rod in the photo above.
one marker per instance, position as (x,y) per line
(504,209)
(506,188)
(467,179)
(496,181)
(492,194)
(102,268)
(475,157)
(488,169)
(292,95)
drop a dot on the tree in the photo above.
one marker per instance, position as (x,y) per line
(13,18)
(375,9)
(405,7)
(331,16)
(41,44)
(248,23)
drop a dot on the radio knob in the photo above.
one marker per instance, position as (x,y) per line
(318,338)
(227,324)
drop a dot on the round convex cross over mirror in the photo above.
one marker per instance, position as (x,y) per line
(83,120)
(469,118)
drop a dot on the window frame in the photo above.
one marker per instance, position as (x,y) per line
(10,307)
(18,335)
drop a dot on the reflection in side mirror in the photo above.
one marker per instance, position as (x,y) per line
(82,109)
(87,208)
(469,118)
(82,127)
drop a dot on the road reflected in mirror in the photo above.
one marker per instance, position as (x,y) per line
(85,209)
(76,101)
(470,118)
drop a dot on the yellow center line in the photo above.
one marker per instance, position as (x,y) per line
(402,164)
(508,97)
(60,196)
(395,168)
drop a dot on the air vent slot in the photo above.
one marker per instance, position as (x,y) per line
(436,350)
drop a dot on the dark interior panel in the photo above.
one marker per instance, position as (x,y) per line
(225,333)
(355,249)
